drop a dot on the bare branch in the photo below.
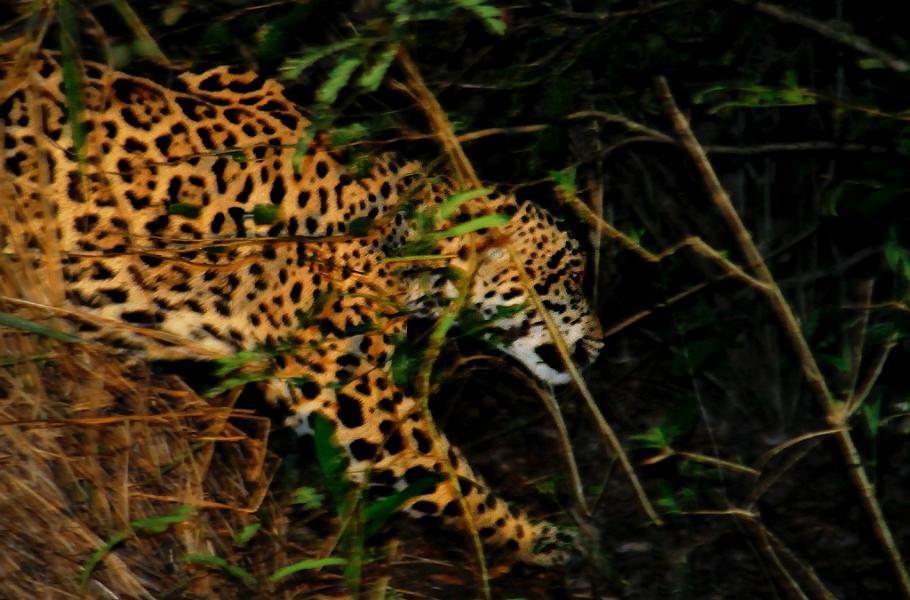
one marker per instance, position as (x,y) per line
(857,42)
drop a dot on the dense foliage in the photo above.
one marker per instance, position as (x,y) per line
(801,110)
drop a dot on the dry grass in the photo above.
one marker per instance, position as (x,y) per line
(92,446)
(89,446)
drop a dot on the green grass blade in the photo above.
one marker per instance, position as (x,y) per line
(145,43)
(246,534)
(293,67)
(454,202)
(338,77)
(489,14)
(372,77)
(98,555)
(331,459)
(160,523)
(216,562)
(10,320)
(305,565)
(72,76)
(377,513)
(485,222)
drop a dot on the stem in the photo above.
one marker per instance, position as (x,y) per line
(834,412)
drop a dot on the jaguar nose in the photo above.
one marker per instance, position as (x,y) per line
(586,350)
(580,354)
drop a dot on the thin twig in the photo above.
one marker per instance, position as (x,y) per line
(693,242)
(717,462)
(603,427)
(466,173)
(808,572)
(578,494)
(858,337)
(865,387)
(836,416)
(765,545)
(818,146)
(770,454)
(434,112)
(857,42)
(626,122)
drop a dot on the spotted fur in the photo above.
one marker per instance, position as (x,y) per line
(155,228)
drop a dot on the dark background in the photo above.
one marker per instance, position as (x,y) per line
(807,130)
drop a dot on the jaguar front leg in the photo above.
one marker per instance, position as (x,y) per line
(391,441)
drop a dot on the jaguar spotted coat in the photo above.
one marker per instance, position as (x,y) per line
(157,229)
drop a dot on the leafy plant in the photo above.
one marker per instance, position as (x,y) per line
(361,519)
(145,526)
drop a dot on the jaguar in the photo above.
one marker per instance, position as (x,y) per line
(203,218)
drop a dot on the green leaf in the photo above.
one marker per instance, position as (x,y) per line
(293,67)
(872,413)
(228,364)
(653,438)
(359,329)
(841,363)
(161,523)
(215,36)
(456,200)
(867,64)
(9,361)
(405,362)
(666,499)
(238,155)
(307,497)
(791,78)
(98,555)
(236,381)
(274,35)
(11,320)
(153,525)
(338,78)
(756,96)
(304,565)
(210,560)
(239,369)
(680,420)
(246,534)
(377,513)
(181,208)
(265,214)
(419,249)
(372,77)
(72,75)
(565,180)
(416,258)
(331,459)
(509,311)
(895,254)
(472,322)
(485,222)
(489,14)
(349,133)
(360,226)
(172,14)
(635,233)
